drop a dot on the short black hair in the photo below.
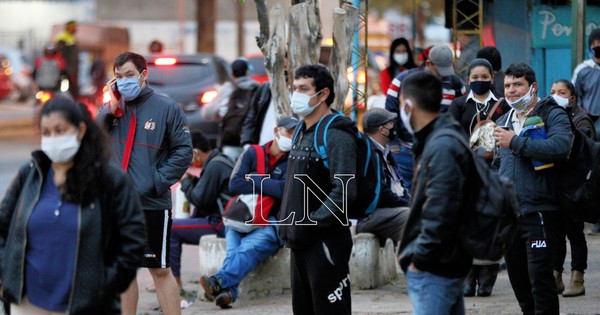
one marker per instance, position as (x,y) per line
(200,142)
(425,89)
(519,70)
(491,54)
(569,86)
(594,35)
(138,61)
(321,78)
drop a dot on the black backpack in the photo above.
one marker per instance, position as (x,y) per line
(237,109)
(491,222)
(368,173)
(578,187)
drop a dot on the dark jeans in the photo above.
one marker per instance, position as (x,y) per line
(573,229)
(321,276)
(404,158)
(529,262)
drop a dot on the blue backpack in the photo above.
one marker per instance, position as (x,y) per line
(368,173)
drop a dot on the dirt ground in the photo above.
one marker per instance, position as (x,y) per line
(390,299)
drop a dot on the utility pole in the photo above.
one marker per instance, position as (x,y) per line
(206,19)
(578,8)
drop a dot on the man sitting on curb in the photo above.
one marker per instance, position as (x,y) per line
(245,251)
(392,209)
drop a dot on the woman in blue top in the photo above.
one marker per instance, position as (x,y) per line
(71,230)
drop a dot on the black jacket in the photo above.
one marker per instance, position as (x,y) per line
(431,238)
(465,111)
(256,115)
(388,198)
(304,160)
(210,192)
(535,189)
(110,243)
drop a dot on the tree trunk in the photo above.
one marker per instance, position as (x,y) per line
(344,26)
(305,35)
(206,19)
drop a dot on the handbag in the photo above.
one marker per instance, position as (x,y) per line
(247,212)
(482,137)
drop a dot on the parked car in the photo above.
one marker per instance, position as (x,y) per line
(257,70)
(191,80)
(6,86)
(20,71)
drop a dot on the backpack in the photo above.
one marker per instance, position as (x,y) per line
(578,190)
(368,172)
(247,212)
(237,109)
(47,75)
(491,221)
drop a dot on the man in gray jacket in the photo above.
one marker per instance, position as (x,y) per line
(527,157)
(151,142)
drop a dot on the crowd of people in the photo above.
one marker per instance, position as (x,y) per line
(101,190)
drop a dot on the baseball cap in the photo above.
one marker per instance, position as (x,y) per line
(287,122)
(376,117)
(441,57)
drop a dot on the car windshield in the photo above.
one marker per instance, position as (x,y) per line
(180,74)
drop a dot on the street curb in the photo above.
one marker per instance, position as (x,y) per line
(16,127)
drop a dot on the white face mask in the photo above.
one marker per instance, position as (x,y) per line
(523,102)
(406,117)
(561,101)
(284,143)
(401,59)
(61,149)
(300,104)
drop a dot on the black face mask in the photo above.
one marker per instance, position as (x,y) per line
(480,87)
(391,133)
(596,52)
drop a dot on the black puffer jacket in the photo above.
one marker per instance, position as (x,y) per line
(441,188)
(110,243)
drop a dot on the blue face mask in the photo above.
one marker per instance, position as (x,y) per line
(129,88)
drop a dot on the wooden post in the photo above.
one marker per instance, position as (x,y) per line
(305,35)
(206,19)
(344,26)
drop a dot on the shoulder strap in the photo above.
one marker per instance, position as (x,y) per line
(493,109)
(260,159)
(320,137)
(454,134)
(224,160)
(299,128)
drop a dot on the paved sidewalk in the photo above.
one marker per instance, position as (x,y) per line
(390,299)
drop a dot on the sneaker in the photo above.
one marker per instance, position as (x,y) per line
(224,299)
(211,287)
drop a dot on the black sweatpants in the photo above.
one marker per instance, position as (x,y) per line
(529,262)
(573,229)
(321,276)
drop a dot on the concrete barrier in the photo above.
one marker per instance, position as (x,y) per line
(371,266)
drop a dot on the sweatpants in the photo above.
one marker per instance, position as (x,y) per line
(529,262)
(321,276)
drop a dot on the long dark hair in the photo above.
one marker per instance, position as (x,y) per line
(394,66)
(85,178)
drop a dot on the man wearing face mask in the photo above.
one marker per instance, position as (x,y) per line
(586,78)
(151,142)
(320,243)
(245,251)
(529,259)
(392,209)
(432,254)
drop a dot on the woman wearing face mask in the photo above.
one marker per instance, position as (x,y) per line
(480,101)
(400,59)
(565,96)
(480,104)
(71,229)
